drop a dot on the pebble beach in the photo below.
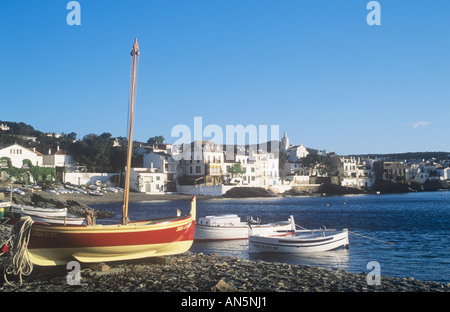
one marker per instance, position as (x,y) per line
(192,272)
(197,272)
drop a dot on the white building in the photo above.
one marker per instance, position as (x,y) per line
(146,180)
(58,159)
(420,172)
(18,154)
(248,166)
(293,165)
(293,152)
(266,164)
(357,172)
(163,163)
(445,173)
(202,161)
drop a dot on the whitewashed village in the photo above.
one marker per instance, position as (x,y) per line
(209,171)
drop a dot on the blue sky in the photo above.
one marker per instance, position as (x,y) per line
(314,68)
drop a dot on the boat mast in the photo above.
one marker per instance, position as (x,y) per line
(134,54)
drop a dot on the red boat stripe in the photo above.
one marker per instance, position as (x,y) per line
(42,239)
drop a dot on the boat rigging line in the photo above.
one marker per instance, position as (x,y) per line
(379,240)
(19,262)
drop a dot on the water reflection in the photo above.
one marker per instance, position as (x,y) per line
(338,258)
(235,248)
(328,259)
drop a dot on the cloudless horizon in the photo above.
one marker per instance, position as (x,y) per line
(314,68)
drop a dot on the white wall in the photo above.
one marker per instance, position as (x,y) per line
(18,153)
(79,178)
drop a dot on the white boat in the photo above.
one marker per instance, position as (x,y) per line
(14,189)
(73,189)
(230,226)
(45,212)
(56,220)
(95,193)
(18,191)
(304,242)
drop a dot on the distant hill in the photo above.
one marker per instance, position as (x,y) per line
(409,156)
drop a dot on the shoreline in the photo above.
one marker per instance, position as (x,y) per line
(236,193)
(79,204)
(142,197)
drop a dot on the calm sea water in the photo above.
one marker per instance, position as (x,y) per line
(418,225)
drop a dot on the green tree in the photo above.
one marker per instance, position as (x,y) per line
(155,140)
(322,164)
(282,160)
(94,151)
(236,169)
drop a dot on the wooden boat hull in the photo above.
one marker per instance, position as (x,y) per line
(298,244)
(57,245)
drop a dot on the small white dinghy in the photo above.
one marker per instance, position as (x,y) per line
(48,215)
(45,212)
(303,242)
(57,220)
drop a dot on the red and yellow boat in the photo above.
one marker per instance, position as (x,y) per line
(59,244)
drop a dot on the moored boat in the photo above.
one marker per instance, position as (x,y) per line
(230,226)
(305,241)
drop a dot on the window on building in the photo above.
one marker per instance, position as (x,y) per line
(198,169)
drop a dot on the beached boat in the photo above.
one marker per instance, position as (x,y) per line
(52,191)
(56,220)
(14,189)
(304,241)
(44,212)
(59,244)
(95,193)
(44,215)
(230,226)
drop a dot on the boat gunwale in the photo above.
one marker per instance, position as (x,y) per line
(144,225)
(305,244)
(266,225)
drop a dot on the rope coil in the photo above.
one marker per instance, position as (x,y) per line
(19,262)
